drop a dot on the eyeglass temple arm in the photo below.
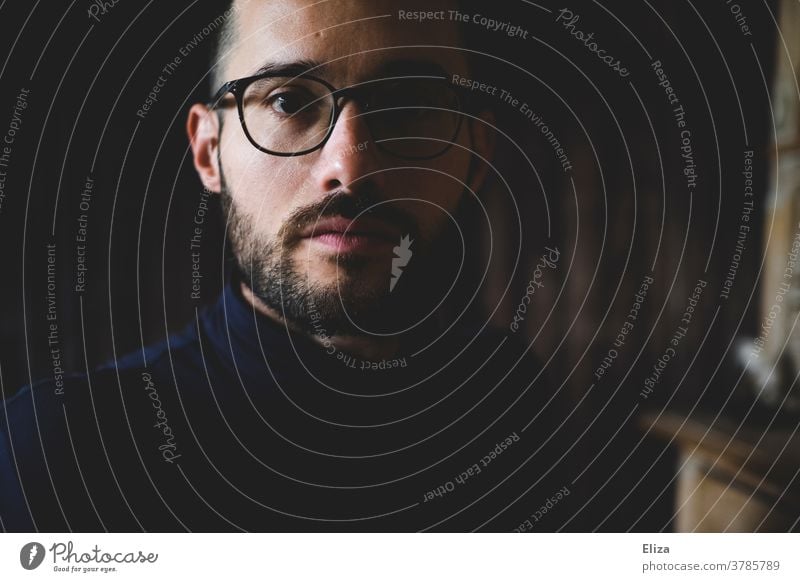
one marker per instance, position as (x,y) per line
(226,88)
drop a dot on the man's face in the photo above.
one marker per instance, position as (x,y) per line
(319,232)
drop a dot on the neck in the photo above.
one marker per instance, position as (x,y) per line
(366,347)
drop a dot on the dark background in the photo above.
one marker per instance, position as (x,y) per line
(629,213)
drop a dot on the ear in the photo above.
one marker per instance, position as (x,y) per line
(202,126)
(482,135)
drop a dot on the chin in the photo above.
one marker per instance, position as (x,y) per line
(355,293)
(368,278)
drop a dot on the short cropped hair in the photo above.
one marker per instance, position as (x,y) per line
(226,38)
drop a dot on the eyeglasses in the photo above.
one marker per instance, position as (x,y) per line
(416,118)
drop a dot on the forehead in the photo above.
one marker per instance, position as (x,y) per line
(353,39)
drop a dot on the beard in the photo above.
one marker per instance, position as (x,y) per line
(349,306)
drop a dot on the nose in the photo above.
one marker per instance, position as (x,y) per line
(349,159)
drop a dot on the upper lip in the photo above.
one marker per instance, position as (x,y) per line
(364,226)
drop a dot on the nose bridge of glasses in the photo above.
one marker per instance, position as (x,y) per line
(359,97)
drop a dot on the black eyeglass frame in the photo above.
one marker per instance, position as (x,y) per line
(237,88)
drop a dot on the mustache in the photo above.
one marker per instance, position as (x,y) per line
(349,206)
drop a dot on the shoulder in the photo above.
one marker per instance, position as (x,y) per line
(66,450)
(34,404)
(32,425)
(39,407)
(181,345)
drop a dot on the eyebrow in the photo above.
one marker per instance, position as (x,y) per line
(292,69)
(400,67)
(413,67)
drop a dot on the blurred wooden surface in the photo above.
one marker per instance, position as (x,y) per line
(731,478)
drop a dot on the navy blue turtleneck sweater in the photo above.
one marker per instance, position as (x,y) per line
(237,424)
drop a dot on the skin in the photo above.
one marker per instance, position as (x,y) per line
(354,46)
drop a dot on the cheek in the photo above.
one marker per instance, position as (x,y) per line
(263,189)
(442,189)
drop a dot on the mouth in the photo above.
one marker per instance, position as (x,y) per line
(344,235)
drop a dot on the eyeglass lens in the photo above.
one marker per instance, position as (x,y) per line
(409,117)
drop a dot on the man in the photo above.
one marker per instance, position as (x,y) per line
(340,382)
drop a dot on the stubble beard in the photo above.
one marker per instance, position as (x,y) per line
(348,306)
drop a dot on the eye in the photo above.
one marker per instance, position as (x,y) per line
(291,102)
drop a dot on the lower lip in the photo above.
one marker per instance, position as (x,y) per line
(348,243)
